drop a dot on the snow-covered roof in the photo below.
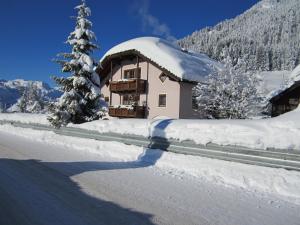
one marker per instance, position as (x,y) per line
(272,82)
(182,64)
(295,75)
(293,80)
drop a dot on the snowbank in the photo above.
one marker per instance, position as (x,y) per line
(185,65)
(282,183)
(25,118)
(282,132)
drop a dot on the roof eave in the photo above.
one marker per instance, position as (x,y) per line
(133,51)
(287,90)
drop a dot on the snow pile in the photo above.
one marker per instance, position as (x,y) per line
(121,126)
(25,118)
(282,132)
(185,65)
(282,183)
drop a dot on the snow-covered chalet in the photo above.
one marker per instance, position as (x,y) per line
(149,77)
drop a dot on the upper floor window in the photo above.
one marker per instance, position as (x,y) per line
(132,73)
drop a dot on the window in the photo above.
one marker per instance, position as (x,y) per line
(162,100)
(132,74)
(131,99)
(281,108)
(294,101)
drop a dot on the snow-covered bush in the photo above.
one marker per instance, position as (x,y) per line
(81,99)
(231,93)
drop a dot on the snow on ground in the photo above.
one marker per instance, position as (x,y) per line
(282,183)
(282,132)
(25,118)
(85,187)
(185,65)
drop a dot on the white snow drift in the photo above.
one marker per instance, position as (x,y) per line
(281,132)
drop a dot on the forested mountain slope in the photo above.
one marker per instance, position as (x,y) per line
(266,37)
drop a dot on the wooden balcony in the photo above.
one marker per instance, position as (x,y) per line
(136,85)
(136,112)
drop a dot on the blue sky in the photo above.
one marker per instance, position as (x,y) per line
(34,31)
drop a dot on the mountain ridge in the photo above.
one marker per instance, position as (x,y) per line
(12,90)
(266,37)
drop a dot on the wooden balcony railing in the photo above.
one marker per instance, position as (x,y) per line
(136,85)
(135,112)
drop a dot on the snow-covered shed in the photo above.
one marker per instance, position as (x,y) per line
(288,99)
(148,77)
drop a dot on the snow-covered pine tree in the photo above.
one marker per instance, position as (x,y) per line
(35,102)
(31,100)
(231,93)
(81,99)
(2,108)
(22,101)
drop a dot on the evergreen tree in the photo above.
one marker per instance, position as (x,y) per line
(22,102)
(35,102)
(81,99)
(231,93)
(2,108)
(31,100)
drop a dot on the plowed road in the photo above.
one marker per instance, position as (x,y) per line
(46,184)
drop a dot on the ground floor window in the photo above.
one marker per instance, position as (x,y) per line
(162,100)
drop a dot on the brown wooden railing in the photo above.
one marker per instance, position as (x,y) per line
(136,85)
(136,112)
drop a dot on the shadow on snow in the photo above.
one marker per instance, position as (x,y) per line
(47,196)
